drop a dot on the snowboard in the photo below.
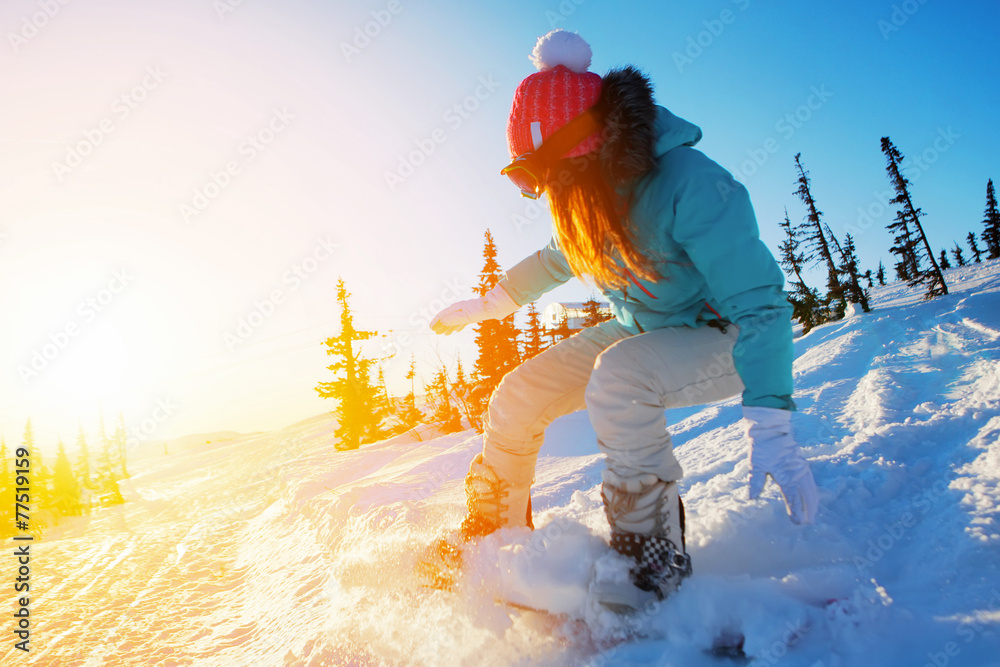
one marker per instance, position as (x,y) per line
(440,568)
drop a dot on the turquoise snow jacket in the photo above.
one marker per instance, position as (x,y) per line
(699,222)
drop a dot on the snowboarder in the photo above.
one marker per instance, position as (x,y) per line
(671,240)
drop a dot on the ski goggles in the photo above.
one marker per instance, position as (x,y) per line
(529,170)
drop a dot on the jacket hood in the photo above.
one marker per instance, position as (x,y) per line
(672,132)
(636,130)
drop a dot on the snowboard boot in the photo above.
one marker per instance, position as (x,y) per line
(647,527)
(493,503)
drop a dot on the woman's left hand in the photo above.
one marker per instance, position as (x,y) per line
(773,452)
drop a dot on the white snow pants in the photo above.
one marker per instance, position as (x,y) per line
(625,381)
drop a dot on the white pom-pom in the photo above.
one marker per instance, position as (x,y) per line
(560,47)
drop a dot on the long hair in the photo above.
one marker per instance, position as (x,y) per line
(592,224)
(591,218)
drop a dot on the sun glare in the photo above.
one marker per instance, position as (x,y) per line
(95,367)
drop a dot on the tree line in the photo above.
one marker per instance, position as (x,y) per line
(367,412)
(812,243)
(64,487)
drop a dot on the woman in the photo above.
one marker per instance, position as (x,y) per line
(700,314)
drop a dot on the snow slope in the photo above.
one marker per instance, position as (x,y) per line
(276,549)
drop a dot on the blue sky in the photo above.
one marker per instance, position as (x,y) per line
(237,156)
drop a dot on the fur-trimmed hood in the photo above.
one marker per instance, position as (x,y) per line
(637,131)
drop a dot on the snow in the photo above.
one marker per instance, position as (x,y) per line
(275,549)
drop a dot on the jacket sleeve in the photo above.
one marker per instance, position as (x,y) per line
(536,274)
(714,223)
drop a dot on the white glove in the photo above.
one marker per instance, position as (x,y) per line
(494,305)
(773,452)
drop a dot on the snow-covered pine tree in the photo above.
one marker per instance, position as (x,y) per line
(957,255)
(819,250)
(352,387)
(533,343)
(496,341)
(911,246)
(976,252)
(943,260)
(991,220)
(806,307)
(849,269)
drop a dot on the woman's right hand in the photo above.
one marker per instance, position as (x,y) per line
(494,305)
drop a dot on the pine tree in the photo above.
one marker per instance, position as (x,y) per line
(561,331)
(991,235)
(880,274)
(7,486)
(119,442)
(381,409)
(65,488)
(107,471)
(83,477)
(352,386)
(956,254)
(496,341)
(592,309)
(806,307)
(943,260)
(868,277)
(443,413)
(461,389)
(976,252)
(849,268)
(405,412)
(907,217)
(819,251)
(533,344)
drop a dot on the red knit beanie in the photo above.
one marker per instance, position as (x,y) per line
(561,90)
